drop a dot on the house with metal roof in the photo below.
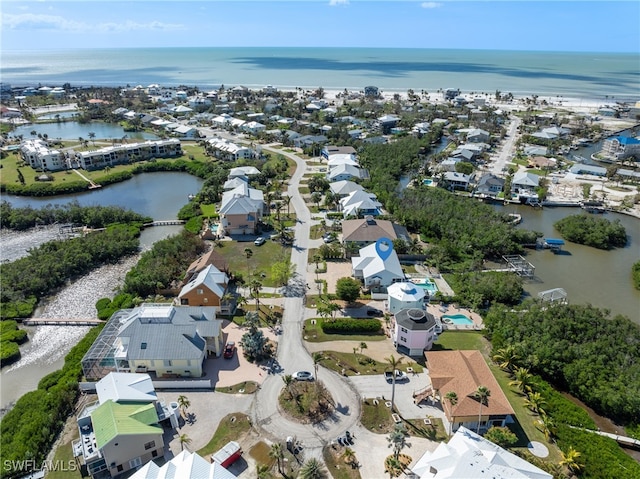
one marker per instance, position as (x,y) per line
(205,289)
(360,203)
(469,455)
(489,185)
(187,465)
(524,182)
(122,430)
(405,295)
(344,188)
(377,273)
(165,340)
(344,171)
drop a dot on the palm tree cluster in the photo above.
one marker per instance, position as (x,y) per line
(312,399)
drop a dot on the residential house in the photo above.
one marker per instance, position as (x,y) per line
(621,147)
(413,330)
(386,122)
(228,150)
(253,127)
(583,169)
(360,203)
(344,172)
(122,430)
(525,183)
(205,289)
(336,159)
(375,272)
(167,340)
(489,185)
(469,455)
(344,188)
(241,210)
(235,182)
(243,171)
(210,257)
(186,131)
(185,465)
(477,135)
(542,162)
(125,153)
(453,180)
(363,232)
(535,150)
(309,140)
(449,164)
(463,372)
(405,295)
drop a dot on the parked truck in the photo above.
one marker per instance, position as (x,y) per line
(401,376)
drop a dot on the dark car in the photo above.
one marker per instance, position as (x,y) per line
(374,312)
(229,350)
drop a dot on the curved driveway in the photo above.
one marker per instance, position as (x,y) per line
(293,356)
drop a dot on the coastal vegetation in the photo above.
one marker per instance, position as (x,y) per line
(635,273)
(593,231)
(10,338)
(72,213)
(51,265)
(578,349)
(30,428)
(480,290)
(163,265)
(461,232)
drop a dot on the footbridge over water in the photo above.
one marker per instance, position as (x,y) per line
(164,223)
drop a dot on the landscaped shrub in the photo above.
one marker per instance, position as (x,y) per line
(9,353)
(351,326)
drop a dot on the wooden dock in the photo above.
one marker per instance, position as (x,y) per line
(164,223)
(61,322)
(624,441)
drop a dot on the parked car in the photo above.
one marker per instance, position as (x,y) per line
(229,350)
(328,238)
(259,241)
(302,376)
(374,312)
(401,376)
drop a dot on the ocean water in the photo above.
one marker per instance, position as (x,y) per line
(571,75)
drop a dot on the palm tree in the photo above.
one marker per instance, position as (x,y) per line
(317,258)
(255,286)
(248,252)
(287,201)
(277,453)
(506,357)
(398,440)
(184,442)
(482,395)
(287,379)
(452,398)
(227,298)
(183,403)
(92,137)
(393,364)
(535,401)
(570,460)
(547,426)
(312,469)
(262,471)
(349,456)
(522,379)
(363,346)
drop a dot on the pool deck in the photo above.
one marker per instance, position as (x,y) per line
(435,309)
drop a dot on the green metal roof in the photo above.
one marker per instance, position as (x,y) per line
(112,419)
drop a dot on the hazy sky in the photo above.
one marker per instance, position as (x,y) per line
(609,26)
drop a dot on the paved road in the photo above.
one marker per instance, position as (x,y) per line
(508,149)
(293,356)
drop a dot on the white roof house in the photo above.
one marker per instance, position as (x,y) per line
(240,171)
(405,295)
(525,180)
(342,158)
(468,455)
(212,278)
(120,387)
(344,172)
(185,465)
(234,182)
(377,273)
(344,187)
(360,202)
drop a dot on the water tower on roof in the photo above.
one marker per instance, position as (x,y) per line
(405,296)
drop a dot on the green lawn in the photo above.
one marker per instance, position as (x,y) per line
(314,334)
(434,431)
(376,417)
(245,387)
(231,428)
(355,364)
(260,262)
(455,340)
(208,210)
(10,173)
(67,463)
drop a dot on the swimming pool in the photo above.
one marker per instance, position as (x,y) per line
(456,319)
(428,182)
(426,284)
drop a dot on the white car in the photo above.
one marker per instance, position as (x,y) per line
(302,376)
(259,241)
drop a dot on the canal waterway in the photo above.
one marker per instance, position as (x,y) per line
(159,195)
(588,275)
(72,130)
